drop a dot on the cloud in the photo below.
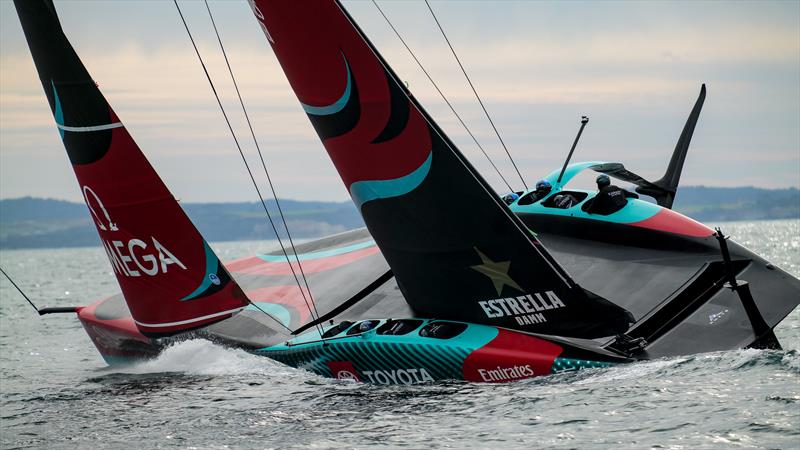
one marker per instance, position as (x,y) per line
(634,68)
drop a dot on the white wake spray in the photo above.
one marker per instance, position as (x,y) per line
(202,357)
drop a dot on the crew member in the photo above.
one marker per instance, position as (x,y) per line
(563,201)
(610,198)
(510,198)
(543,188)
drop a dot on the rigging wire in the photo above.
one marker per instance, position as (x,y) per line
(19,290)
(476,94)
(515,220)
(266,172)
(247,166)
(443,96)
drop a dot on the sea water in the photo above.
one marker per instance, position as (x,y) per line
(56,392)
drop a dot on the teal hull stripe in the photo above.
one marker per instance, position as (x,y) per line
(569,364)
(442,359)
(454,361)
(404,360)
(439,361)
(450,356)
(352,355)
(320,254)
(212,264)
(339,104)
(389,354)
(427,358)
(365,191)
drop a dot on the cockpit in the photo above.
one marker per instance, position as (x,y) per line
(570,202)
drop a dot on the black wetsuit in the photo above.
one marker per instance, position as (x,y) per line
(610,199)
(540,194)
(564,201)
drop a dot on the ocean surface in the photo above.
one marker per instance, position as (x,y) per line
(56,391)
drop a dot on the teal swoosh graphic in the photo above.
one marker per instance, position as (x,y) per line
(274,310)
(59,114)
(336,106)
(320,254)
(212,263)
(365,191)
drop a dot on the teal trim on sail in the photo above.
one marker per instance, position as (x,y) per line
(276,311)
(59,113)
(320,254)
(212,264)
(339,104)
(365,191)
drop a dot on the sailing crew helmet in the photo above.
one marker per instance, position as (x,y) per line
(510,198)
(603,180)
(542,185)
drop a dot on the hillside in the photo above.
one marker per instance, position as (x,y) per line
(44,223)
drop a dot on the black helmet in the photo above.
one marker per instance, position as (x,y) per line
(603,180)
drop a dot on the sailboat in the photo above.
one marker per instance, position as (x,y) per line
(447,280)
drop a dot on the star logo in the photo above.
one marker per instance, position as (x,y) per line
(496,271)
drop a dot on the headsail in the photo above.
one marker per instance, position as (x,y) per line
(456,250)
(171,279)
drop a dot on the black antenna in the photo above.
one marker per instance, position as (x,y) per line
(584,121)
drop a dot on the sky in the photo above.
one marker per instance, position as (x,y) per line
(635,68)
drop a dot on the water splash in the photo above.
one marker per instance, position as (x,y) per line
(202,357)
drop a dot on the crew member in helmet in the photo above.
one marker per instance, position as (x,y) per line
(563,201)
(610,198)
(543,188)
(510,198)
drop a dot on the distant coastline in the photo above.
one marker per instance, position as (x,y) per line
(46,223)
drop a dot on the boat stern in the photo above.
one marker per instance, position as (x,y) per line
(113,331)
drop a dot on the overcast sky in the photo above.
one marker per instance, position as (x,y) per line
(634,67)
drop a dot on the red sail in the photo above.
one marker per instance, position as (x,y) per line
(171,279)
(454,247)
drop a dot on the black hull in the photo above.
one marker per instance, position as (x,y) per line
(672,284)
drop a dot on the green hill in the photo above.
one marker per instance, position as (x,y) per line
(45,223)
